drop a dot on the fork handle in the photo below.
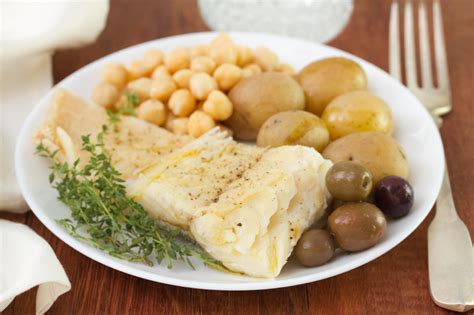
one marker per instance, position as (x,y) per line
(445,208)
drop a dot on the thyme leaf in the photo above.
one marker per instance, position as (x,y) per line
(127,107)
(106,218)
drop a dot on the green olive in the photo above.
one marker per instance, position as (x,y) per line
(315,248)
(357,225)
(349,181)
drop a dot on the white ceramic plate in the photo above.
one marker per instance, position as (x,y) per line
(414,129)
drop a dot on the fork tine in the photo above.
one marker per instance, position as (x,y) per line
(410,61)
(440,50)
(394,43)
(425,58)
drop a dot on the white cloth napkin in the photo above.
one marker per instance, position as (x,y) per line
(30,32)
(27,260)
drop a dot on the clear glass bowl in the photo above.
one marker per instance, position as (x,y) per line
(316,20)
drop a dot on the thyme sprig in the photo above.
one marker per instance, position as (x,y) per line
(105,217)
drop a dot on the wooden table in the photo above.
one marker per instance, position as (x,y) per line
(394,283)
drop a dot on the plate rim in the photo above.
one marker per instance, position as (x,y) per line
(261,284)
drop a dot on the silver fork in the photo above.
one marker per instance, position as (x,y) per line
(450,251)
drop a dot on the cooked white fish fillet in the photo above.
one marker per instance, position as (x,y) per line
(175,188)
(133,145)
(244,205)
(259,218)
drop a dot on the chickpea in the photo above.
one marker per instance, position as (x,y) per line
(227,75)
(218,106)
(169,121)
(159,72)
(201,84)
(152,59)
(266,58)
(200,50)
(199,123)
(177,59)
(250,70)
(162,88)
(286,68)
(179,126)
(141,87)
(182,103)
(137,70)
(116,74)
(244,55)
(203,64)
(181,78)
(222,39)
(121,102)
(105,94)
(152,111)
(224,53)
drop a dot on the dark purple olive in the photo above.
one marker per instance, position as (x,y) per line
(394,196)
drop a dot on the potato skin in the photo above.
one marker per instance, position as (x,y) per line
(325,79)
(357,111)
(258,97)
(377,152)
(294,127)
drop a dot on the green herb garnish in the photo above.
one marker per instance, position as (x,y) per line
(128,108)
(132,102)
(105,217)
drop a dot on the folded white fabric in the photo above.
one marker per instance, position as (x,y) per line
(27,260)
(30,32)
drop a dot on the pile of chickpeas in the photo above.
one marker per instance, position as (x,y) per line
(185,90)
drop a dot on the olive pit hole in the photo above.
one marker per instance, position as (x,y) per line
(366,182)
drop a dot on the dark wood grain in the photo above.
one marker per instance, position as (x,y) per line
(395,283)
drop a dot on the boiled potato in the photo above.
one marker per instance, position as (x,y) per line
(356,112)
(326,79)
(294,127)
(260,96)
(377,152)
